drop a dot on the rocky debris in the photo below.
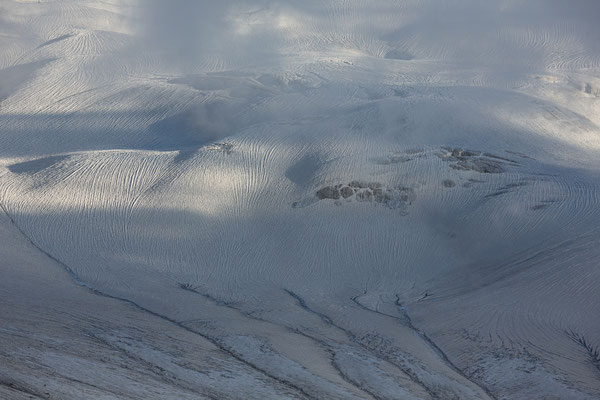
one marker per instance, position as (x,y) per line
(329,192)
(365,195)
(470,160)
(226,148)
(358,185)
(461,153)
(392,197)
(347,192)
(364,185)
(479,165)
(448,183)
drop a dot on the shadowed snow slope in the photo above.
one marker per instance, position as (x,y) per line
(332,199)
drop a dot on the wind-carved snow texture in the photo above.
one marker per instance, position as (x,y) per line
(279,199)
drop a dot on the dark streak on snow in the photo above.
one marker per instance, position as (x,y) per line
(80,282)
(357,340)
(37,165)
(592,351)
(407,321)
(324,345)
(17,387)
(55,40)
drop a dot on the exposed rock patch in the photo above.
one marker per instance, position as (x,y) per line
(393,197)
(329,192)
(470,160)
(347,192)
(225,147)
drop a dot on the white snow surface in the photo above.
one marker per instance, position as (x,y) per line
(317,199)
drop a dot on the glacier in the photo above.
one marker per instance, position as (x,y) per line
(333,199)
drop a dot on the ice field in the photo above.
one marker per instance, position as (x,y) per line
(326,199)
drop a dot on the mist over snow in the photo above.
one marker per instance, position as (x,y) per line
(251,33)
(320,199)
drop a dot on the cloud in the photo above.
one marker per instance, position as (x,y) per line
(182,30)
(188,33)
(241,33)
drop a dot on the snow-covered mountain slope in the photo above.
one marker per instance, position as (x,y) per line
(333,199)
